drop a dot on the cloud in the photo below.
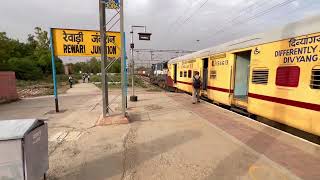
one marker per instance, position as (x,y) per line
(296,4)
(166,19)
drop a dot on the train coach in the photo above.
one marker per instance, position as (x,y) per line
(275,75)
(158,75)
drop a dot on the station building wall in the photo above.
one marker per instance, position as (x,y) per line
(8,90)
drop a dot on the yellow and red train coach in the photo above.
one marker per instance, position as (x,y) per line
(275,75)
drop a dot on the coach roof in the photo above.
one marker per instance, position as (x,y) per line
(306,26)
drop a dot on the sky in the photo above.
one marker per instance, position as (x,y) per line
(174,24)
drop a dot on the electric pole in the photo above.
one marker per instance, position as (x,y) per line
(103,46)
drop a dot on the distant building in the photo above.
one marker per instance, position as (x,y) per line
(68,69)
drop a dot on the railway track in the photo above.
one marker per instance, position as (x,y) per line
(146,80)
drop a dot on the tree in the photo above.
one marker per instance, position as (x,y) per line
(42,40)
(94,65)
(30,60)
(42,52)
(116,67)
(25,68)
(12,48)
(77,67)
(59,66)
(5,50)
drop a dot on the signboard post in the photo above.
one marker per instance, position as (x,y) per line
(112,4)
(123,62)
(75,42)
(78,42)
(104,78)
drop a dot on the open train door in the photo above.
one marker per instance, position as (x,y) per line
(205,64)
(241,79)
(175,73)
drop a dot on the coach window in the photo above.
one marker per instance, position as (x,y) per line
(288,76)
(189,73)
(315,78)
(185,74)
(180,73)
(213,74)
(260,76)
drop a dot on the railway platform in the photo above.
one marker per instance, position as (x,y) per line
(169,138)
(181,140)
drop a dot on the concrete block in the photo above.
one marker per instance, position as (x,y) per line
(8,90)
(111,120)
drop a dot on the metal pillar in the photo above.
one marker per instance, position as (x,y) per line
(103,47)
(123,60)
(125,70)
(132,97)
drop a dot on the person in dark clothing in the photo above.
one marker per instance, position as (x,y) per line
(196,88)
(83,78)
(70,81)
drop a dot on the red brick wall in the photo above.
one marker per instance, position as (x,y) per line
(8,90)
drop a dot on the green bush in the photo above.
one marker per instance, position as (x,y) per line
(116,67)
(137,82)
(62,78)
(25,68)
(114,77)
(77,76)
(95,78)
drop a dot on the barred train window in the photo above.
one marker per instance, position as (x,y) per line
(315,78)
(213,74)
(189,73)
(260,76)
(288,76)
(185,74)
(180,73)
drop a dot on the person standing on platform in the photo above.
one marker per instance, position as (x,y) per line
(83,78)
(196,88)
(70,81)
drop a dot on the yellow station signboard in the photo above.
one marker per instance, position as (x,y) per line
(73,42)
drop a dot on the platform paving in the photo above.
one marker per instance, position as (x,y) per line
(224,145)
(298,156)
(168,138)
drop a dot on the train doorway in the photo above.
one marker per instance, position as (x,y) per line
(205,73)
(241,83)
(175,73)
